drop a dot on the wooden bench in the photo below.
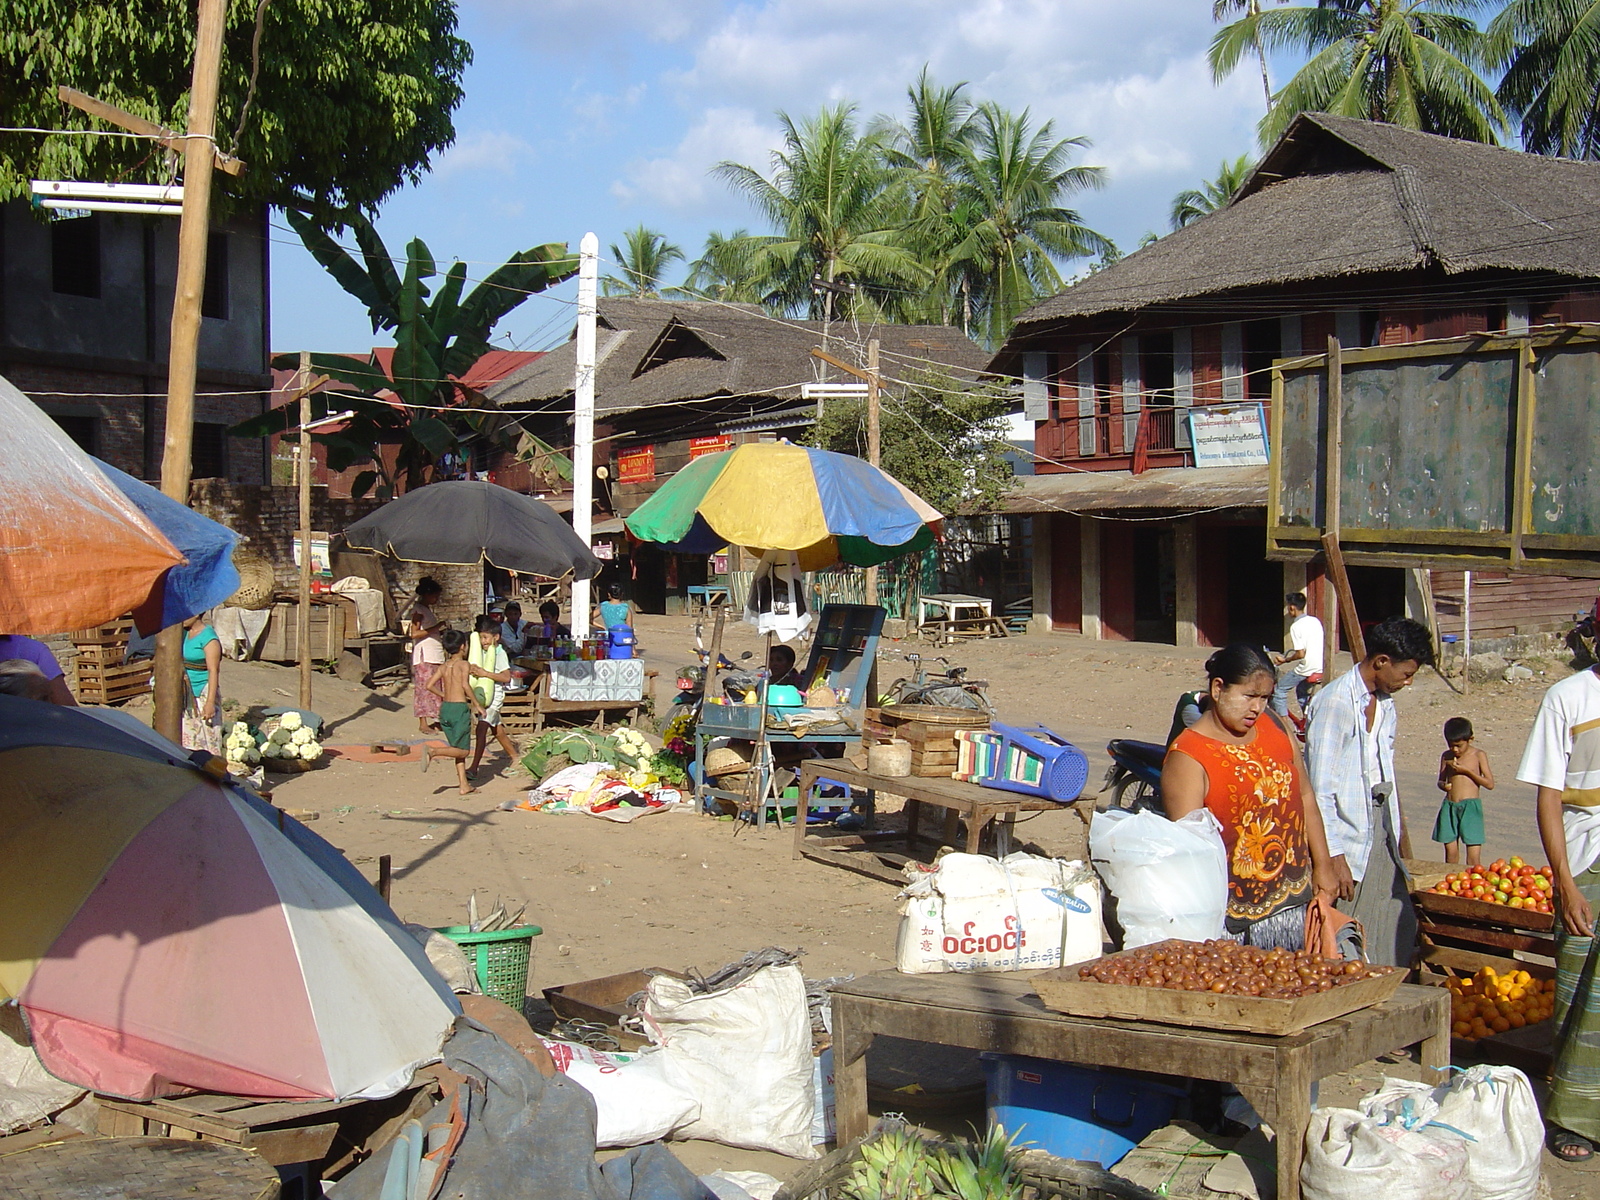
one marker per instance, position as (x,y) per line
(860,852)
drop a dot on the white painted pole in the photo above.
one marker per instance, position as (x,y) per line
(583,420)
(1466,632)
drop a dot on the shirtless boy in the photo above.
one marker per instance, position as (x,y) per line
(457,707)
(1463,769)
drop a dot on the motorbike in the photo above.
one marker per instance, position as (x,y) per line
(1134,777)
(1583,637)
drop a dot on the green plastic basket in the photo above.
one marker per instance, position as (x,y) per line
(500,958)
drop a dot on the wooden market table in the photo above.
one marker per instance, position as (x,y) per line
(978,805)
(525,711)
(1000,1012)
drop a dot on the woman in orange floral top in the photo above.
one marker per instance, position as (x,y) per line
(1238,761)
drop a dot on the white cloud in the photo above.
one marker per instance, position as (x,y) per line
(681,180)
(595,113)
(485,151)
(1130,76)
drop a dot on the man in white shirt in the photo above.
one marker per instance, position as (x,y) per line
(1562,760)
(1350,759)
(1304,656)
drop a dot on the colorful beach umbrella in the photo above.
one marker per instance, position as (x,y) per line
(827,508)
(74,550)
(207,576)
(161,933)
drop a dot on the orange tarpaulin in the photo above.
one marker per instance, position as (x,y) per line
(74,551)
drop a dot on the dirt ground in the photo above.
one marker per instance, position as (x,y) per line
(681,890)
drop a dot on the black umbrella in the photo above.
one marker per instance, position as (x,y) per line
(464,522)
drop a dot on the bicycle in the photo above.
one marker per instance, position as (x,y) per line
(951,689)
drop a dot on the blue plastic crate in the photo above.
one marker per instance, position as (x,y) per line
(1095,1114)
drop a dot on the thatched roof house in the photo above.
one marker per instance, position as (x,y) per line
(1338,198)
(663,361)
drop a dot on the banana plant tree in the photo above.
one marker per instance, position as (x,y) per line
(420,404)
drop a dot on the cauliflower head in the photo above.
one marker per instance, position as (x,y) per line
(290,721)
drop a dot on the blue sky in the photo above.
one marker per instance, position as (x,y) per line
(599,114)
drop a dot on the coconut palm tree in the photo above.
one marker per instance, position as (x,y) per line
(1213,193)
(834,203)
(641,261)
(1013,180)
(1550,53)
(1408,62)
(723,271)
(1221,10)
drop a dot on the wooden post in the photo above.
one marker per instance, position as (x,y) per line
(1466,632)
(1186,575)
(1089,569)
(874,440)
(1330,497)
(194,227)
(303,612)
(385,876)
(1347,601)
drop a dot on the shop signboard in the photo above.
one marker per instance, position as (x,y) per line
(636,465)
(1229,435)
(701,446)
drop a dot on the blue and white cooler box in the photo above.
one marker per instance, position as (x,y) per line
(976,913)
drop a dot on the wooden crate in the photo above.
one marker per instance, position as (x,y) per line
(102,684)
(1063,991)
(112,633)
(933,746)
(1529,1048)
(1485,927)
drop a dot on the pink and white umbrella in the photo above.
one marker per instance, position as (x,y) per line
(162,934)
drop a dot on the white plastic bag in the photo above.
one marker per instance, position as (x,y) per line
(634,1103)
(976,913)
(1492,1107)
(744,1052)
(1169,878)
(1351,1156)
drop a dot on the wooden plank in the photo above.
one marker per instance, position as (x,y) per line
(297,1144)
(861,864)
(1469,962)
(1063,990)
(1482,910)
(1476,936)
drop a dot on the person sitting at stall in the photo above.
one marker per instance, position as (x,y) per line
(781,669)
(515,633)
(15,645)
(1239,762)
(550,627)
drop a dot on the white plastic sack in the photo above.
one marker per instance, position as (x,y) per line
(1170,878)
(634,1103)
(824,1114)
(976,913)
(28,1093)
(1493,1107)
(744,1053)
(1351,1156)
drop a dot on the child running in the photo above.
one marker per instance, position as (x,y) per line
(452,683)
(1463,769)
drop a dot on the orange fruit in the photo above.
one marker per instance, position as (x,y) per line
(1462,1029)
(1499,1024)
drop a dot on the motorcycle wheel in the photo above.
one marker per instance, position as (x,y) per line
(1135,795)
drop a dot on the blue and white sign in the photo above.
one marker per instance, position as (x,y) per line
(1229,435)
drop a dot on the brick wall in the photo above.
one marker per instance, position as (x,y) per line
(129,415)
(268,518)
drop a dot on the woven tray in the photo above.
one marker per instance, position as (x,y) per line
(137,1169)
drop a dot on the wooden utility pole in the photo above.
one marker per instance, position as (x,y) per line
(194,227)
(874,442)
(303,611)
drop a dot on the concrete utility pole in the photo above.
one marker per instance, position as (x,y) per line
(583,419)
(874,439)
(194,227)
(303,611)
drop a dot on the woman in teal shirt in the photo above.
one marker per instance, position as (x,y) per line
(614,610)
(202,662)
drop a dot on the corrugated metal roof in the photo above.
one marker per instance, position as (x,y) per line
(1169,487)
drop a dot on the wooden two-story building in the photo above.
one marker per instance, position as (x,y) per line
(1350,229)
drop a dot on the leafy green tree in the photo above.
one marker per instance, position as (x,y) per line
(348,100)
(1409,62)
(723,271)
(1550,53)
(1015,179)
(1213,194)
(420,404)
(839,247)
(942,438)
(641,261)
